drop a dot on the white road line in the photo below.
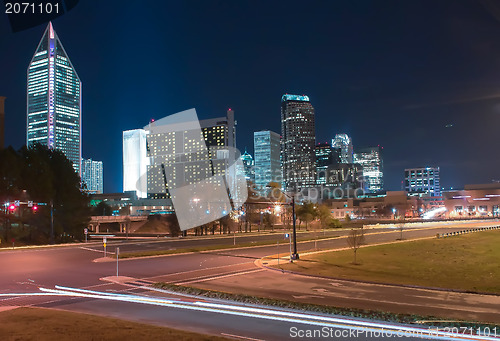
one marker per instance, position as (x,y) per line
(101,251)
(274,314)
(185,272)
(222,276)
(241,337)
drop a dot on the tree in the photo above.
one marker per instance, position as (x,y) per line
(334,223)
(173,224)
(383,211)
(355,239)
(324,215)
(227,224)
(306,212)
(47,177)
(102,209)
(400,226)
(251,214)
(268,220)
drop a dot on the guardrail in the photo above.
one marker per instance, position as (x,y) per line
(431,223)
(117,219)
(472,230)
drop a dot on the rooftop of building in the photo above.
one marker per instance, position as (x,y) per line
(297,98)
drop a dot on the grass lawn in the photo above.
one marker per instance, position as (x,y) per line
(466,262)
(48,325)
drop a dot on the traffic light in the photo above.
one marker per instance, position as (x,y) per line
(35,208)
(12,207)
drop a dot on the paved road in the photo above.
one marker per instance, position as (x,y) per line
(26,270)
(242,239)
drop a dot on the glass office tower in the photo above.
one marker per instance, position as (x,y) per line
(371,161)
(92,176)
(54,100)
(266,146)
(325,156)
(298,141)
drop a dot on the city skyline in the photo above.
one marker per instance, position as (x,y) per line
(334,160)
(360,102)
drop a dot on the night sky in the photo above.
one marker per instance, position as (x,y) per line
(389,73)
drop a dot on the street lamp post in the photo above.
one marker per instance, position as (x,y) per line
(295,255)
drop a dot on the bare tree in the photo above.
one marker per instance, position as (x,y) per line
(400,226)
(355,239)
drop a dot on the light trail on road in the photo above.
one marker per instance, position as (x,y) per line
(264,313)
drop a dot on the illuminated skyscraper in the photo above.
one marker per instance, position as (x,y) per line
(371,161)
(135,162)
(344,143)
(249,165)
(298,140)
(266,146)
(325,156)
(54,100)
(200,154)
(92,176)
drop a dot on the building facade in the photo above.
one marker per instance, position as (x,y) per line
(371,161)
(266,146)
(92,176)
(424,180)
(135,162)
(54,100)
(345,176)
(391,205)
(298,141)
(481,200)
(343,143)
(325,156)
(165,152)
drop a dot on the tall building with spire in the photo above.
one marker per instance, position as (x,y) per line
(343,143)
(249,166)
(54,100)
(298,139)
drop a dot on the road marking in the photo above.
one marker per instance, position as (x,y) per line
(218,277)
(185,272)
(101,251)
(241,337)
(208,276)
(306,296)
(272,314)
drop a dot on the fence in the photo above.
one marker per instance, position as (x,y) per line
(456,233)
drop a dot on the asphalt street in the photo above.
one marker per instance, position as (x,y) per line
(81,266)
